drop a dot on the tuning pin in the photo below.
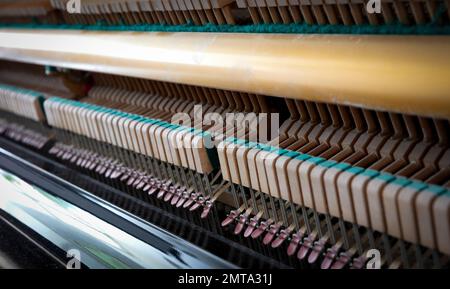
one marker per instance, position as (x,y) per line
(125,176)
(175,194)
(155,187)
(295,241)
(109,171)
(147,186)
(79,161)
(251,226)
(53,150)
(115,174)
(138,180)
(358,263)
(73,158)
(317,250)
(141,184)
(102,169)
(162,189)
(230,218)
(305,247)
(184,197)
(150,184)
(91,164)
(193,197)
(206,209)
(118,172)
(152,190)
(261,228)
(341,261)
(329,257)
(131,179)
(284,234)
(76,159)
(164,192)
(84,161)
(199,202)
(273,230)
(43,143)
(62,151)
(112,166)
(66,155)
(240,224)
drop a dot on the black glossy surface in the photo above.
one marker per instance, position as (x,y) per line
(206,234)
(17,251)
(181,253)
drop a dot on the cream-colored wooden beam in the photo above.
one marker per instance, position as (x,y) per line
(409,74)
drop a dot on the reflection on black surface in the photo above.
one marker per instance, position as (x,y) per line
(205,233)
(17,252)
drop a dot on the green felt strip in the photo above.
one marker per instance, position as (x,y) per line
(294,28)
